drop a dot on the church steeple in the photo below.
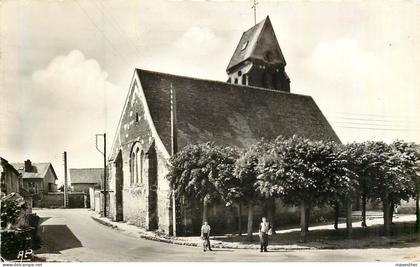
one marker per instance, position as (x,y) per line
(258,60)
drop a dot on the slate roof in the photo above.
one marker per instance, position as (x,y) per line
(5,165)
(228,113)
(86,176)
(249,40)
(39,170)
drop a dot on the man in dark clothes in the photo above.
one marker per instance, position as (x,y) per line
(265,227)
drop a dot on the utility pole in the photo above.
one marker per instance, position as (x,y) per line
(254,6)
(65,180)
(174,147)
(104,154)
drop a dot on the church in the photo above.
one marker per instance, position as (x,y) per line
(164,113)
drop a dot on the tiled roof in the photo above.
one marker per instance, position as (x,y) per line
(40,170)
(249,45)
(86,176)
(229,114)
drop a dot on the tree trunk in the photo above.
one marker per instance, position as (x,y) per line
(336,214)
(271,213)
(386,211)
(240,219)
(391,211)
(349,218)
(250,221)
(205,210)
(418,211)
(307,216)
(364,199)
(303,223)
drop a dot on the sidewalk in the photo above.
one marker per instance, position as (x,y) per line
(194,241)
(286,239)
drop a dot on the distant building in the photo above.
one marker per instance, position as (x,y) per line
(83,179)
(164,113)
(11,180)
(37,178)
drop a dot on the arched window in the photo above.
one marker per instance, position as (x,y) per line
(138,164)
(141,166)
(132,167)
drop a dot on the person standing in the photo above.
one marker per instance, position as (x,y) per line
(205,235)
(265,227)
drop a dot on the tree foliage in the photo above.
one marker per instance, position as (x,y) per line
(298,169)
(202,171)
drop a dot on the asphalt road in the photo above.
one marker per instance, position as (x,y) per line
(72,235)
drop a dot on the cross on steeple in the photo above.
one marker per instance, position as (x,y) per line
(254,6)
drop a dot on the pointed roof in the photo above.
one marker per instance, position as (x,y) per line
(86,176)
(40,170)
(254,42)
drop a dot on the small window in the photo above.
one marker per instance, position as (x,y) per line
(244,45)
(244,79)
(137,117)
(236,80)
(239,73)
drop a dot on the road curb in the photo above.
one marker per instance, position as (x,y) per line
(215,244)
(104,223)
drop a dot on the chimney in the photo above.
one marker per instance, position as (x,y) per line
(28,166)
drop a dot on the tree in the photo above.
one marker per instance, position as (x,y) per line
(344,184)
(246,172)
(405,162)
(417,181)
(303,173)
(195,172)
(393,171)
(361,159)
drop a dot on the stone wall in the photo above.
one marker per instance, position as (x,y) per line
(51,200)
(225,220)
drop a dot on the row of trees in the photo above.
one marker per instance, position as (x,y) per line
(301,173)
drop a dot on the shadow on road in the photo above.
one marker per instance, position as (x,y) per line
(56,238)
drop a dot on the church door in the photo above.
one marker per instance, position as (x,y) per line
(153,190)
(119,182)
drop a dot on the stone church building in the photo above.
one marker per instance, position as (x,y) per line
(163,113)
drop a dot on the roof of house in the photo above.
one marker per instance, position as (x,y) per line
(39,170)
(252,43)
(86,176)
(227,113)
(6,166)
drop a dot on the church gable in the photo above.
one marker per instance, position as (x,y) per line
(259,42)
(135,124)
(267,47)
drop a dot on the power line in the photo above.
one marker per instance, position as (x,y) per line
(117,27)
(374,115)
(103,34)
(369,124)
(380,129)
(373,120)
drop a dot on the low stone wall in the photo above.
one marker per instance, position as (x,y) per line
(51,200)
(77,200)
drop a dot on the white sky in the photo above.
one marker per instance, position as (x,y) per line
(66,65)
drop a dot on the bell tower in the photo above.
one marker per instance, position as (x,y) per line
(258,60)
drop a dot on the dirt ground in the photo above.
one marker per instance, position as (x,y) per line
(403,235)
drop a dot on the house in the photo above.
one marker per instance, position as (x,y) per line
(83,179)
(11,179)
(88,181)
(164,113)
(37,178)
